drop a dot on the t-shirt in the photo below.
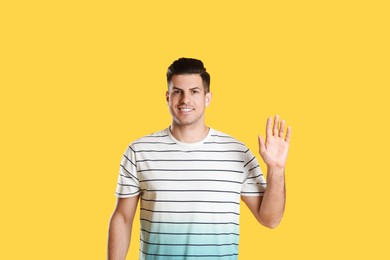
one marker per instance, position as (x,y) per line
(189,193)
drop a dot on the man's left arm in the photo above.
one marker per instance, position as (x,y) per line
(269,208)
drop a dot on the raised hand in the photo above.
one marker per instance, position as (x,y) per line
(274,149)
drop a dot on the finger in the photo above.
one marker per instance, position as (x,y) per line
(261,144)
(281,131)
(276,125)
(288,135)
(268,128)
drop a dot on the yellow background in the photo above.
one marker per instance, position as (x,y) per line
(82,79)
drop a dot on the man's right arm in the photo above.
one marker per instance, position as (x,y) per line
(121,223)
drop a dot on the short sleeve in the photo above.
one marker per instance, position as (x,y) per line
(254,184)
(128,181)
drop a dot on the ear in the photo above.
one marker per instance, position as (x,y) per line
(167,96)
(209,96)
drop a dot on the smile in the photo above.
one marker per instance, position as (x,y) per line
(185,109)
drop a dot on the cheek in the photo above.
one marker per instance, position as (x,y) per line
(170,99)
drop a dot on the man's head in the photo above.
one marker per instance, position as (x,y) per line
(188,92)
(184,66)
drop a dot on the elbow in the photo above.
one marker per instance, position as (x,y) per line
(270,223)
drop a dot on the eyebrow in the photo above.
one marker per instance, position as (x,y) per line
(195,88)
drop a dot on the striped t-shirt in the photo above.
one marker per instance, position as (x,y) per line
(189,193)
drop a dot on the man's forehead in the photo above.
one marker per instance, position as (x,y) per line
(187,81)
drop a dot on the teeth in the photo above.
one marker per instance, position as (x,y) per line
(185,109)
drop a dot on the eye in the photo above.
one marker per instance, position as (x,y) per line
(195,91)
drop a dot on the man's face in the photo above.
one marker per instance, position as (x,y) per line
(187,100)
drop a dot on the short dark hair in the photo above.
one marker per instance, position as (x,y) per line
(189,66)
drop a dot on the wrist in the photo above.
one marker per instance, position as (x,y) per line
(275,176)
(275,169)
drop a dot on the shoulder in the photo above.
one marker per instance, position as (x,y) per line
(224,138)
(218,135)
(153,139)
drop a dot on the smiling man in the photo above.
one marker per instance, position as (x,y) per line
(190,179)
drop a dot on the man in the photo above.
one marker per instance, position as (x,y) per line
(189,179)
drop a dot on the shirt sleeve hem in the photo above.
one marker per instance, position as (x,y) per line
(252,194)
(127,195)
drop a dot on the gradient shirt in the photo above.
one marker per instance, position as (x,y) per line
(189,193)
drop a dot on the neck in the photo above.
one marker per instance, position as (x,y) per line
(189,134)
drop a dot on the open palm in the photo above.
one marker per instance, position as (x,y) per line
(274,149)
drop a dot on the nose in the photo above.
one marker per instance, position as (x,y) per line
(185,97)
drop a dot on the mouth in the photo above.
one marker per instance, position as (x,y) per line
(185,109)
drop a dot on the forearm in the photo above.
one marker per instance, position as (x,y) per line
(118,238)
(273,203)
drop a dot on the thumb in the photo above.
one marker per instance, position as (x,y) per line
(261,144)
